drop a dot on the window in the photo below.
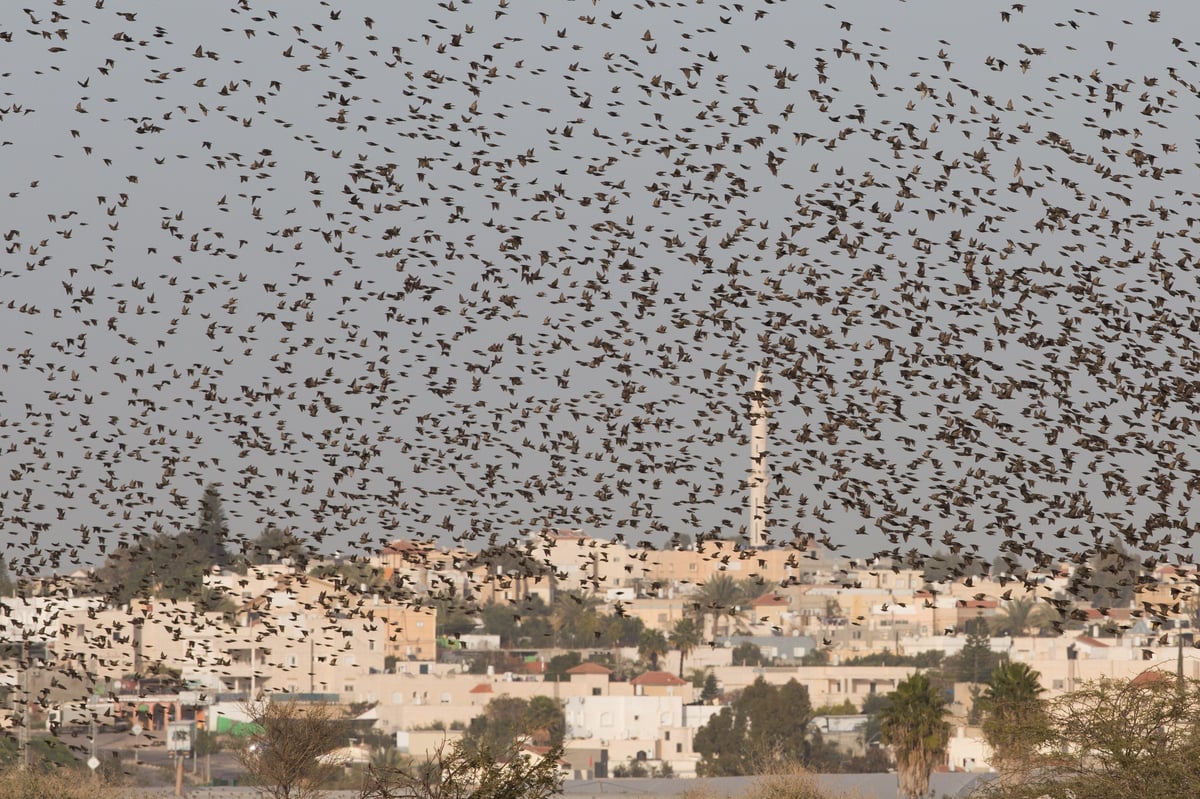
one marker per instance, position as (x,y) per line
(291,661)
(596,691)
(678,748)
(370,644)
(1058,685)
(348,688)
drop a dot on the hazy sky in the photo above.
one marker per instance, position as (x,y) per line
(414,270)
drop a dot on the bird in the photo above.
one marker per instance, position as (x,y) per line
(463,279)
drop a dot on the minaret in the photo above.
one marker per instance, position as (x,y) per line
(758,464)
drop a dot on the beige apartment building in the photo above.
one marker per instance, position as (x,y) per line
(303,635)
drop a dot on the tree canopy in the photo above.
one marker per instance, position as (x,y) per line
(764,728)
(1111,739)
(914,725)
(1015,719)
(508,719)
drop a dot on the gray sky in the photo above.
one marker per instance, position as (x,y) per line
(475,271)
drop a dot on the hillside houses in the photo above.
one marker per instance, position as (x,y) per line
(279,631)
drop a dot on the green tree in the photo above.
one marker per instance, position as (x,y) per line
(387,758)
(454,616)
(976,661)
(575,620)
(356,575)
(509,719)
(747,654)
(765,728)
(502,722)
(651,646)
(558,666)
(154,565)
(1015,723)
(274,544)
(620,630)
(914,725)
(535,624)
(719,597)
(928,659)
(1116,739)
(720,744)
(502,621)
(872,707)
(711,689)
(685,637)
(815,657)
(846,708)
(545,721)
(212,529)
(1018,617)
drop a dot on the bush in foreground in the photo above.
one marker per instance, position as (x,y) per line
(53,783)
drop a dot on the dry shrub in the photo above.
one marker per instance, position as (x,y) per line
(58,783)
(791,782)
(701,791)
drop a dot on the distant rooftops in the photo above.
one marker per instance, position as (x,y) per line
(657,678)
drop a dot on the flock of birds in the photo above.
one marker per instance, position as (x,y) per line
(463,276)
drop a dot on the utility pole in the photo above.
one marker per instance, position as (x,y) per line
(26,667)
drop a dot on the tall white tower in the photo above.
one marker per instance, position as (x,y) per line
(758,463)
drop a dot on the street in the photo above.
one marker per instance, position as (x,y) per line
(144,758)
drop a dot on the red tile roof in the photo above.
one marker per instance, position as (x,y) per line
(1087,639)
(657,678)
(1152,677)
(482,688)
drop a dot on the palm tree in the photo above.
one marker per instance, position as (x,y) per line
(685,637)
(388,759)
(575,620)
(1016,721)
(1019,616)
(914,725)
(719,595)
(651,646)
(544,721)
